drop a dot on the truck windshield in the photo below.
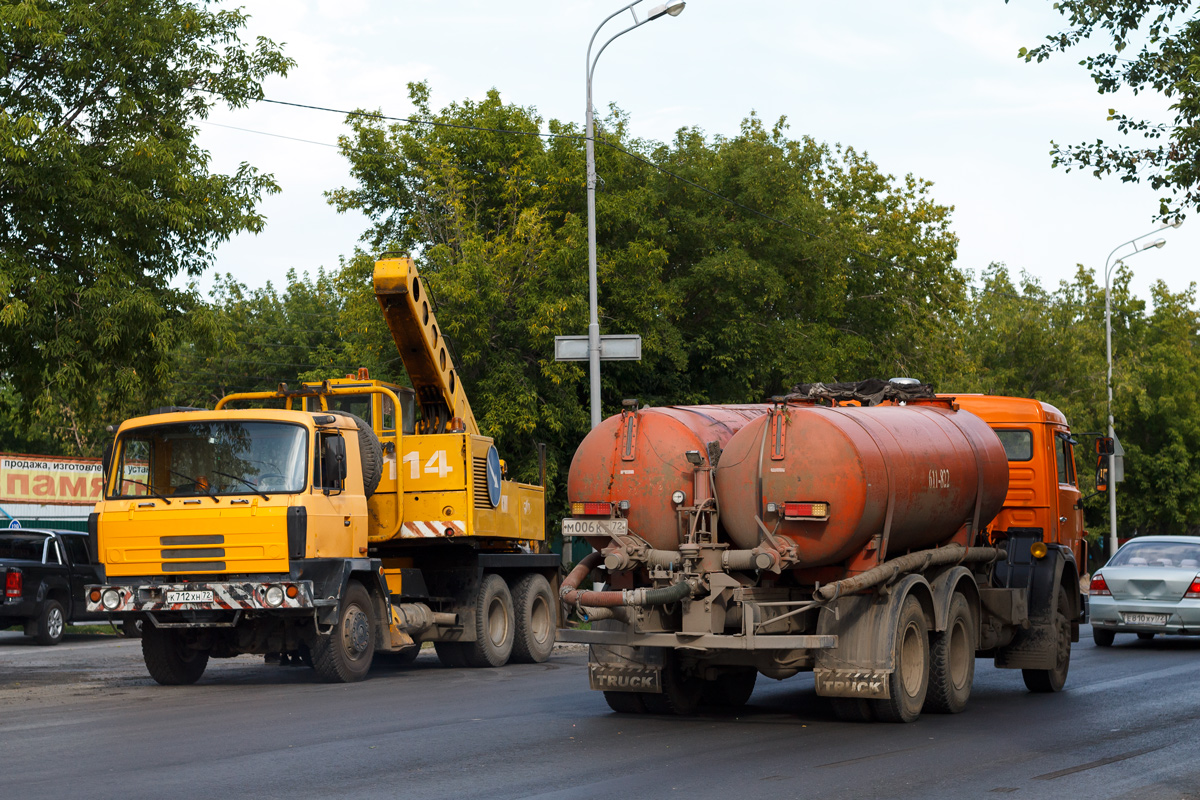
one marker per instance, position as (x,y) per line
(185,459)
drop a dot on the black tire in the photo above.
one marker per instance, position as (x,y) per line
(495,628)
(852,709)
(682,692)
(534,609)
(168,658)
(909,681)
(452,654)
(370,453)
(1102,637)
(51,623)
(1145,636)
(344,656)
(730,690)
(131,628)
(952,660)
(625,702)
(1052,680)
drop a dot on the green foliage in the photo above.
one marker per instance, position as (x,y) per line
(1167,62)
(106,197)
(1022,340)
(732,306)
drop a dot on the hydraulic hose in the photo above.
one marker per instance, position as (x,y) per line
(885,572)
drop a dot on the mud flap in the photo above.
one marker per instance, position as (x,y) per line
(621,668)
(865,625)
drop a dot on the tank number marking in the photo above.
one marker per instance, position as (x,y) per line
(778,469)
(939,479)
(436,465)
(626,472)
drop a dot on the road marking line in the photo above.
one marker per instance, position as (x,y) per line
(1140,677)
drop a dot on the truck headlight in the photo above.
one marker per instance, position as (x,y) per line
(274,595)
(110,599)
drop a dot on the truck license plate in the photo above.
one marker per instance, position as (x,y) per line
(1145,619)
(193,596)
(595,527)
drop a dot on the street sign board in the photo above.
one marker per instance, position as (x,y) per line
(613,347)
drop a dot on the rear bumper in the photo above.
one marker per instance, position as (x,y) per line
(227,596)
(1183,616)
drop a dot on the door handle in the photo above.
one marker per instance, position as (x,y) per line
(1062,520)
(346,522)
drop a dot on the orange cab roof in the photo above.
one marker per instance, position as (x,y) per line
(997,409)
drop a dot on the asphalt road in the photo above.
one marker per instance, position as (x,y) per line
(83,720)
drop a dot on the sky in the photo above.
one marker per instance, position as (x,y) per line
(924,87)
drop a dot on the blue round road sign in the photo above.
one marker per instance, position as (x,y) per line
(493,476)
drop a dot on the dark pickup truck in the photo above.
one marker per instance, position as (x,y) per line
(43,573)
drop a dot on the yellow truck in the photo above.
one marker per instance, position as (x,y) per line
(352,517)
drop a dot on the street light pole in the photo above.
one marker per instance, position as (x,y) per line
(1112,483)
(669,9)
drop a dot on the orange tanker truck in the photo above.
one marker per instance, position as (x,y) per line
(876,534)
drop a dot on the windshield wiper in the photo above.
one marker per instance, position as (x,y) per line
(149,489)
(195,484)
(243,480)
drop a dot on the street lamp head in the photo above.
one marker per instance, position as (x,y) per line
(674,9)
(1159,243)
(1174,224)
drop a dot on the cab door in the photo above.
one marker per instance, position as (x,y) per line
(336,508)
(1068,517)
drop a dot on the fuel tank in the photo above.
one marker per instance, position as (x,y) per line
(930,462)
(641,457)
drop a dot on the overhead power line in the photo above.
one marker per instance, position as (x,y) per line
(514,132)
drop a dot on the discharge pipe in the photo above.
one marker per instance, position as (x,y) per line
(887,571)
(611,599)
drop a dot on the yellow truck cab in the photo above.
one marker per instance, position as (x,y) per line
(351,517)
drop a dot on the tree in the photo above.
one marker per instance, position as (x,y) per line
(733,305)
(1167,61)
(105,196)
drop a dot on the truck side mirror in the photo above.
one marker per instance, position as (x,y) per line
(1102,473)
(1105,446)
(335,461)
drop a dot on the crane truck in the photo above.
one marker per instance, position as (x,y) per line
(877,535)
(353,517)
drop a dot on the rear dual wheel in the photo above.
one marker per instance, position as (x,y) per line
(952,660)
(908,683)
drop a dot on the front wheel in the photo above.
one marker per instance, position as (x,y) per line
(51,623)
(169,659)
(1053,680)
(344,656)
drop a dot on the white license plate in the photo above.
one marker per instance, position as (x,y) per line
(595,527)
(195,596)
(1145,619)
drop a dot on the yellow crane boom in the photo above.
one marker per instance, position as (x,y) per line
(409,315)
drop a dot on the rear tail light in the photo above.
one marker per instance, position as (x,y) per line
(591,509)
(1194,589)
(14,582)
(1099,587)
(810,510)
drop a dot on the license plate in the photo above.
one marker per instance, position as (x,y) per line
(194,596)
(595,527)
(1145,619)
